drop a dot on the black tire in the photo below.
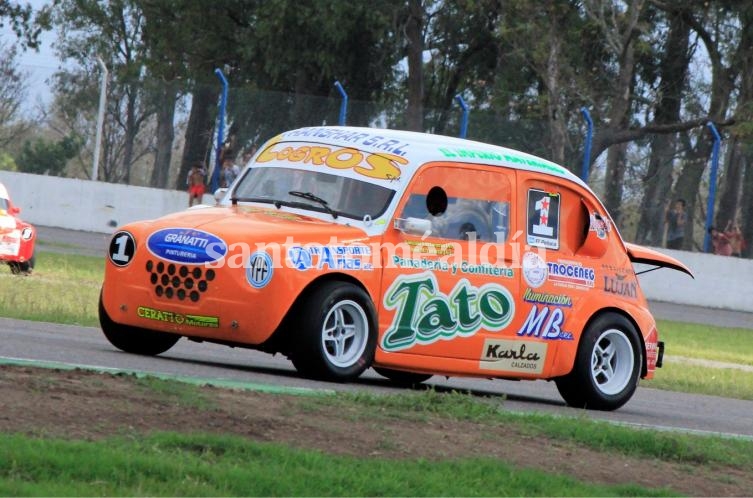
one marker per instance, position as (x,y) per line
(24,268)
(324,346)
(134,340)
(607,366)
(401,378)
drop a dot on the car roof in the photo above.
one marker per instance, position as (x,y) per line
(420,148)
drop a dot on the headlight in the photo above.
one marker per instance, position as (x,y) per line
(26,233)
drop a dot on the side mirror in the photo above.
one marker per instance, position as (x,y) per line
(413,226)
(219,194)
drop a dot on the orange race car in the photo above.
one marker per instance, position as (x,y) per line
(17,238)
(345,248)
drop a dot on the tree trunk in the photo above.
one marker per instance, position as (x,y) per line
(414,34)
(658,179)
(198,132)
(746,220)
(165,135)
(729,193)
(131,129)
(555,108)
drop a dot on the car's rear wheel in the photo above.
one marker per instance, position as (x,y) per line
(607,366)
(134,339)
(336,333)
(402,378)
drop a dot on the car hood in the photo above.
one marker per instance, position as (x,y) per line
(644,255)
(7,222)
(256,225)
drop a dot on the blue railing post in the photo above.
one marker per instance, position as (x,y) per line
(464,116)
(343,104)
(214,182)
(587,149)
(712,186)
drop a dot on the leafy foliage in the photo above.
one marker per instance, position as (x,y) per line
(47,158)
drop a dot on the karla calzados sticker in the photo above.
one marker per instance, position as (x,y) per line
(543,227)
(535,269)
(259,269)
(186,246)
(513,356)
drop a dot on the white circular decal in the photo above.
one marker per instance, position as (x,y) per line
(535,270)
(259,270)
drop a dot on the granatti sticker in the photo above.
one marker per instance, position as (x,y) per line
(186,246)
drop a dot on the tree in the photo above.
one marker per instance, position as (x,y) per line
(12,95)
(42,157)
(25,23)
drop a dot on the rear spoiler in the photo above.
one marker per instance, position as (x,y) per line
(644,255)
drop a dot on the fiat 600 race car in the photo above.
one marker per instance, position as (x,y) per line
(348,248)
(16,237)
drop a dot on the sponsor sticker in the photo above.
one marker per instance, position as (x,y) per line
(571,274)
(259,270)
(531,296)
(543,227)
(535,269)
(186,246)
(333,257)
(178,318)
(600,225)
(620,285)
(513,356)
(545,323)
(424,314)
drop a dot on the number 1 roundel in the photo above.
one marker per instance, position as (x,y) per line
(122,248)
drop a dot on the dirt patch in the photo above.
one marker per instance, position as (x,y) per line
(87,405)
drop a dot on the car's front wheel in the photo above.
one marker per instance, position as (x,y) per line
(24,268)
(134,339)
(607,366)
(335,333)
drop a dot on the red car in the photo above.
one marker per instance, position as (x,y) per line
(16,237)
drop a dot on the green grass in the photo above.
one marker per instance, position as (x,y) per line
(63,288)
(689,378)
(707,342)
(207,465)
(598,435)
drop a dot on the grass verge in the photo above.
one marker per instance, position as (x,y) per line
(207,465)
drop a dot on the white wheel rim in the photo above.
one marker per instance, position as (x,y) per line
(612,362)
(345,333)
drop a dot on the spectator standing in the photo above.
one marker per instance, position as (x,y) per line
(195,181)
(675,220)
(720,242)
(735,237)
(229,172)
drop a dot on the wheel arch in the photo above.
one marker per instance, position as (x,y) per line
(279,340)
(619,311)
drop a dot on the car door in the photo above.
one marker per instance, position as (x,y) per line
(447,263)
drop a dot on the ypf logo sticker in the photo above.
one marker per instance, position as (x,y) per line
(259,270)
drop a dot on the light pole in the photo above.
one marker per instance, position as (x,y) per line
(100,119)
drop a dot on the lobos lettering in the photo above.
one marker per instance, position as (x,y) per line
(382,166)
(425,315)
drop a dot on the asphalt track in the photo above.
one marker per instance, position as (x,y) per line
(70,346)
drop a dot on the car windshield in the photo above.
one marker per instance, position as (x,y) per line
(3,204)
(314,190)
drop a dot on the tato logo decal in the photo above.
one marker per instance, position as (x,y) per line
(187,246)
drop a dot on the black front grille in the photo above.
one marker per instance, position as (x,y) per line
(179,281)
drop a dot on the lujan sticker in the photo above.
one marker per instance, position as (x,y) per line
(543,227)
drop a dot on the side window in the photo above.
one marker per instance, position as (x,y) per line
(461,203)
